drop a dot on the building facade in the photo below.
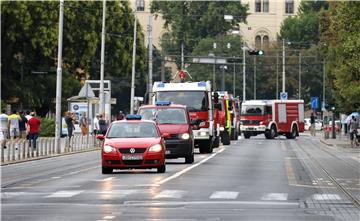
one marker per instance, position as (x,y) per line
(265,19)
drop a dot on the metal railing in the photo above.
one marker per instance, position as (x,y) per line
(21,150)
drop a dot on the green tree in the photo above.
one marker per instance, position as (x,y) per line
(189,22)
(29,44)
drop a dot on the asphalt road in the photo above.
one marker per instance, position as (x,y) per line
(255,179)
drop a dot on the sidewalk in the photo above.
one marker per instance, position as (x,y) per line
(341,139)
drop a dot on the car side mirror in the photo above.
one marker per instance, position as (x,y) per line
(165,135)
(100,137)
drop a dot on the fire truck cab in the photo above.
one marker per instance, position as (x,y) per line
(272,118)
(197,96)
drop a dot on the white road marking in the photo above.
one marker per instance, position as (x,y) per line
(55,177)
(108,217)
(171,194)
(275,196)
(224,195)
(326,197)
(172,203)
(64,194)
(106,179)
(181,172)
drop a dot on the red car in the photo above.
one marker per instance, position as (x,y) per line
(133,143)
(173,119)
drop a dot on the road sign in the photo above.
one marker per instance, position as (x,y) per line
(283,96)
(314,102)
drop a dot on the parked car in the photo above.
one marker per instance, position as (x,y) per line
(318,124)
(133,144)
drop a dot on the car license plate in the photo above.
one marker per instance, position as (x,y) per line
(132,157)
(167,152)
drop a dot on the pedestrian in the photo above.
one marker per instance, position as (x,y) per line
(14,129)
(312,122)
(4,128)
(34,129)
(69,120)
(23,125)
(28,116)
(120,116)
(84,124)
(102,125)
(354,125)
(96,124)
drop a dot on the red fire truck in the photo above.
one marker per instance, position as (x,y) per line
(272,118)
(197,96)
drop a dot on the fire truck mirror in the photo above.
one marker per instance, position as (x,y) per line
(217,106)
(216,98)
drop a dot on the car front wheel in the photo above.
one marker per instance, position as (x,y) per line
(161,169)
(106,170)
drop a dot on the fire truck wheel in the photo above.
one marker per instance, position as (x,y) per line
(272,132)
(246,135)
(216,142)
(292,134)
(206,146)
(225,139)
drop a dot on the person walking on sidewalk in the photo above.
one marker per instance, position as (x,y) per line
(34,129)
(354,125)
(84,124)
(4,128)
(23,125)
(312,127)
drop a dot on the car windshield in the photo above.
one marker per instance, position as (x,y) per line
(164,115)
(133,130)
(252,110)
(194,100)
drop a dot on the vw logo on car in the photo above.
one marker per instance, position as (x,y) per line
(132,150)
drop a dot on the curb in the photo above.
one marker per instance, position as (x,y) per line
(46,157)
(324,142)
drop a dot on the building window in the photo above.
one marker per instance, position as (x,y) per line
(258,41)
(266,41)
(289,6)
(266,6)
(140,5)
(257,5)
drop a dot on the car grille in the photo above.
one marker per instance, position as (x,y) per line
(172,137)
(127,150)
(133,162)
(253,122)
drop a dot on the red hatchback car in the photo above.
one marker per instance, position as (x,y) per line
(133,143)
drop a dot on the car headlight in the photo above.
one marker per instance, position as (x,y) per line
(155,148)
(222,128)
(203,133)
(185,136)
(108,149)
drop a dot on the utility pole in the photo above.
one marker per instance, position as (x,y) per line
(182,55)
(277,76)
(234,81)
(283,66)
(59,79)
(214,70)
(324,75)
(244,69)
(254,77)
(102,97)
(150,58)
(133,71)
(299,75)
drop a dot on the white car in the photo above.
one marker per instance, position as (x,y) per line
(318,124)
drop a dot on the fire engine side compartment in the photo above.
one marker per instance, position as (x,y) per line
(289,114)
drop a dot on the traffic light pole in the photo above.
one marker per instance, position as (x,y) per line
(283,64)
(244,68)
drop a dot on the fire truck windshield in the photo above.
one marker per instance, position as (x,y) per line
(194,100)
(252,110)
(164,115)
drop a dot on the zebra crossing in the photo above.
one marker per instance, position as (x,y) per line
(153,195)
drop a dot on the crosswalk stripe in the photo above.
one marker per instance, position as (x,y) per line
(64,194)
(326,197)
(171,194)
(224,195)
(275,196)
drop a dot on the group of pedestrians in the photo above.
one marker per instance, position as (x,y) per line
(18,126)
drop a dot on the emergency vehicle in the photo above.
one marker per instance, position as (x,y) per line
(197,97)
(225,117)
(173,119)
(272,118)
(235,105)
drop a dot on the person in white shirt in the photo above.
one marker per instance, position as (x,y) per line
(28,116)
(96,124)
(4,128)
